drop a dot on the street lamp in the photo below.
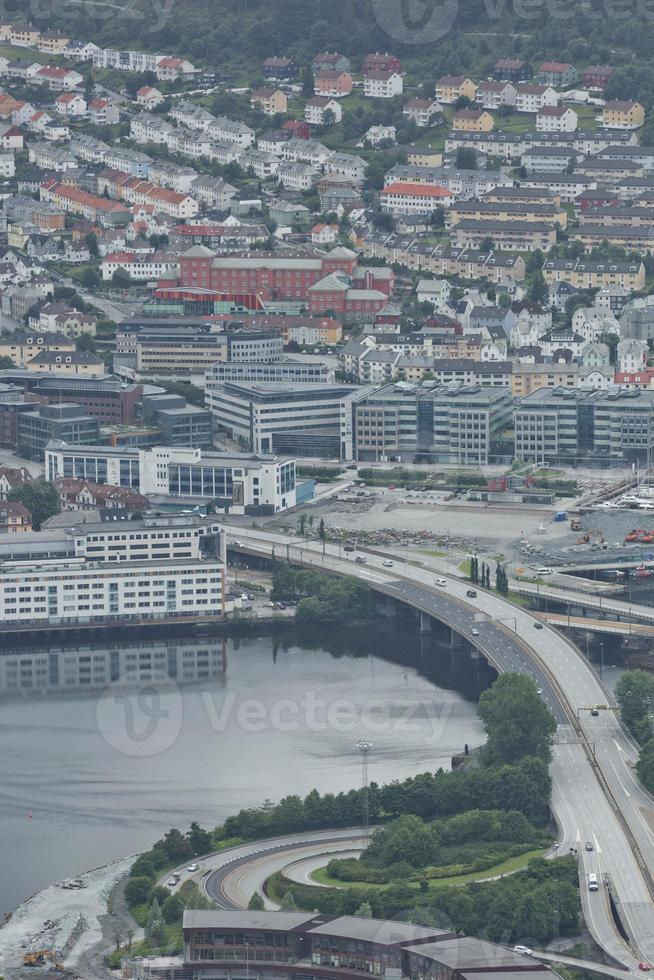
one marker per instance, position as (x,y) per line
(602,667)
(364,746)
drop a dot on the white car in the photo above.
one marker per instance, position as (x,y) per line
(475,632)
(524,950)
(193,867)
(387,564)
(171,882)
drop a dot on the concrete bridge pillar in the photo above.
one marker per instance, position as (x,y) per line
(425,622)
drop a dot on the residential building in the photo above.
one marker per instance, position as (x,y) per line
(316,110)
(383,84)
(21,347)
(74,362)
(558,74)
(513,70)
(492,95)
(149,97)
(595,77)
(473,121)
(14,518)
(527,236)
(556,119)
(533,98)
(449,88)
(271,101)
(280,69)
(103,112)
(330,61)
(413,198)
(333,83)
(422,111)
(618,114)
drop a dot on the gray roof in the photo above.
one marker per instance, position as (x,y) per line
(218,919)
(381,931)
(474,953)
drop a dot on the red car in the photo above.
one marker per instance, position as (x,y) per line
(644,966)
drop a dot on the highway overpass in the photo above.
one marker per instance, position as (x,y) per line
(596,796)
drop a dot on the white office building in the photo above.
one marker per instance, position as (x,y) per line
(238,483)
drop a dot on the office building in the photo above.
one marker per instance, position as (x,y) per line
(235,483)
(592,428)
(313,946)
(68,422)
(303,419)
(136,573)
(455,423)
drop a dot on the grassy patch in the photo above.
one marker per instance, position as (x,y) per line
(508,866)
(465,566)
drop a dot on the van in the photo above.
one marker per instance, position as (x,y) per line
(544,571)
(592,883)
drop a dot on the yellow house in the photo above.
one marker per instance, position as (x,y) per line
(449,88)
(270,101)
(473,121)
(424,156)
(623,115)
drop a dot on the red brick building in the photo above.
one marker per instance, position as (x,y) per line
(381,62)
(269,275)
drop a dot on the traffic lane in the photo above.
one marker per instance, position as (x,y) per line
(501,648)
(243,882)
(581,806)
(213,883)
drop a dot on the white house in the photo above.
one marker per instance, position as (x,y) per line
(297,176)
(315,110)
(71,104)
(632,355)
(591,322)
(382,84)
(149,97)
(422,111)
(556,119)
(434,291)
(378,134)
(532,98)
(492,95)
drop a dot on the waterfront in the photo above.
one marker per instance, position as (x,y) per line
(106,747)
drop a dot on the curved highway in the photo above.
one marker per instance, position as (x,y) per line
(596,796)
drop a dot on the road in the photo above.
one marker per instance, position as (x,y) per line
(602,603)
(603,802)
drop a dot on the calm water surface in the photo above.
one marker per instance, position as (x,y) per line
(105,747)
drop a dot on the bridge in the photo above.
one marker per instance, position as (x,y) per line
(596,796)
(602,603)
(614,627)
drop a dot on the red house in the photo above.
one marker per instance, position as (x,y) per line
(298,128)
(596,76)
(381,62)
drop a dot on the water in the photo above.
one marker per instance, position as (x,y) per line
(103,748)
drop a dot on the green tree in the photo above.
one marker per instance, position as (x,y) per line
(516,721)
(40,498)
(6,363)
(256,903)
(634,693)
(504,301)
(645,765)
(288,903)
(155,928)
(91,279)
(137,890)
(364,911)
(86,342)
(199,840)
(91,241)
(466,158)
(121,279)
(538,288)
(172,909)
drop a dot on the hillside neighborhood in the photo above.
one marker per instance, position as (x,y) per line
(329,263)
